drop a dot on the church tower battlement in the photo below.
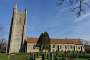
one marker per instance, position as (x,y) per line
(17,30)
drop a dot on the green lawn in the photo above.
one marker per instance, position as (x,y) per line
(80,59)
(16,57)
(22,57)
(3,57)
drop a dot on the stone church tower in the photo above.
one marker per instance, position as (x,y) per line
(16,35)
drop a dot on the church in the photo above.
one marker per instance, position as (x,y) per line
(56,45)
(17,38)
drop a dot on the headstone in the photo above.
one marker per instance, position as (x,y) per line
(33,56)
(52,56)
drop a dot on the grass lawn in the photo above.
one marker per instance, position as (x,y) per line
(12,57)
(3,57)
(22,57)
(80,59)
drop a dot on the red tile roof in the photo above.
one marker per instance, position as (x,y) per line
(57,41)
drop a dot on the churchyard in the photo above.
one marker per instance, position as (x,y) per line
(45,56)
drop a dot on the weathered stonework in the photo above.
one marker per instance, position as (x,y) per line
(16,35)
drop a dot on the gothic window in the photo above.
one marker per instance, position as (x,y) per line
(19,20)
(58,47)
(66,46)
(53,46)
(49,46)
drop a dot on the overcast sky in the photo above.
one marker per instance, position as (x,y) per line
(44,15)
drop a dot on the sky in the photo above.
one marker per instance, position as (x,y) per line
(46,16)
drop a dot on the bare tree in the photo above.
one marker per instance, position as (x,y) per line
(3,46)
(77,6)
